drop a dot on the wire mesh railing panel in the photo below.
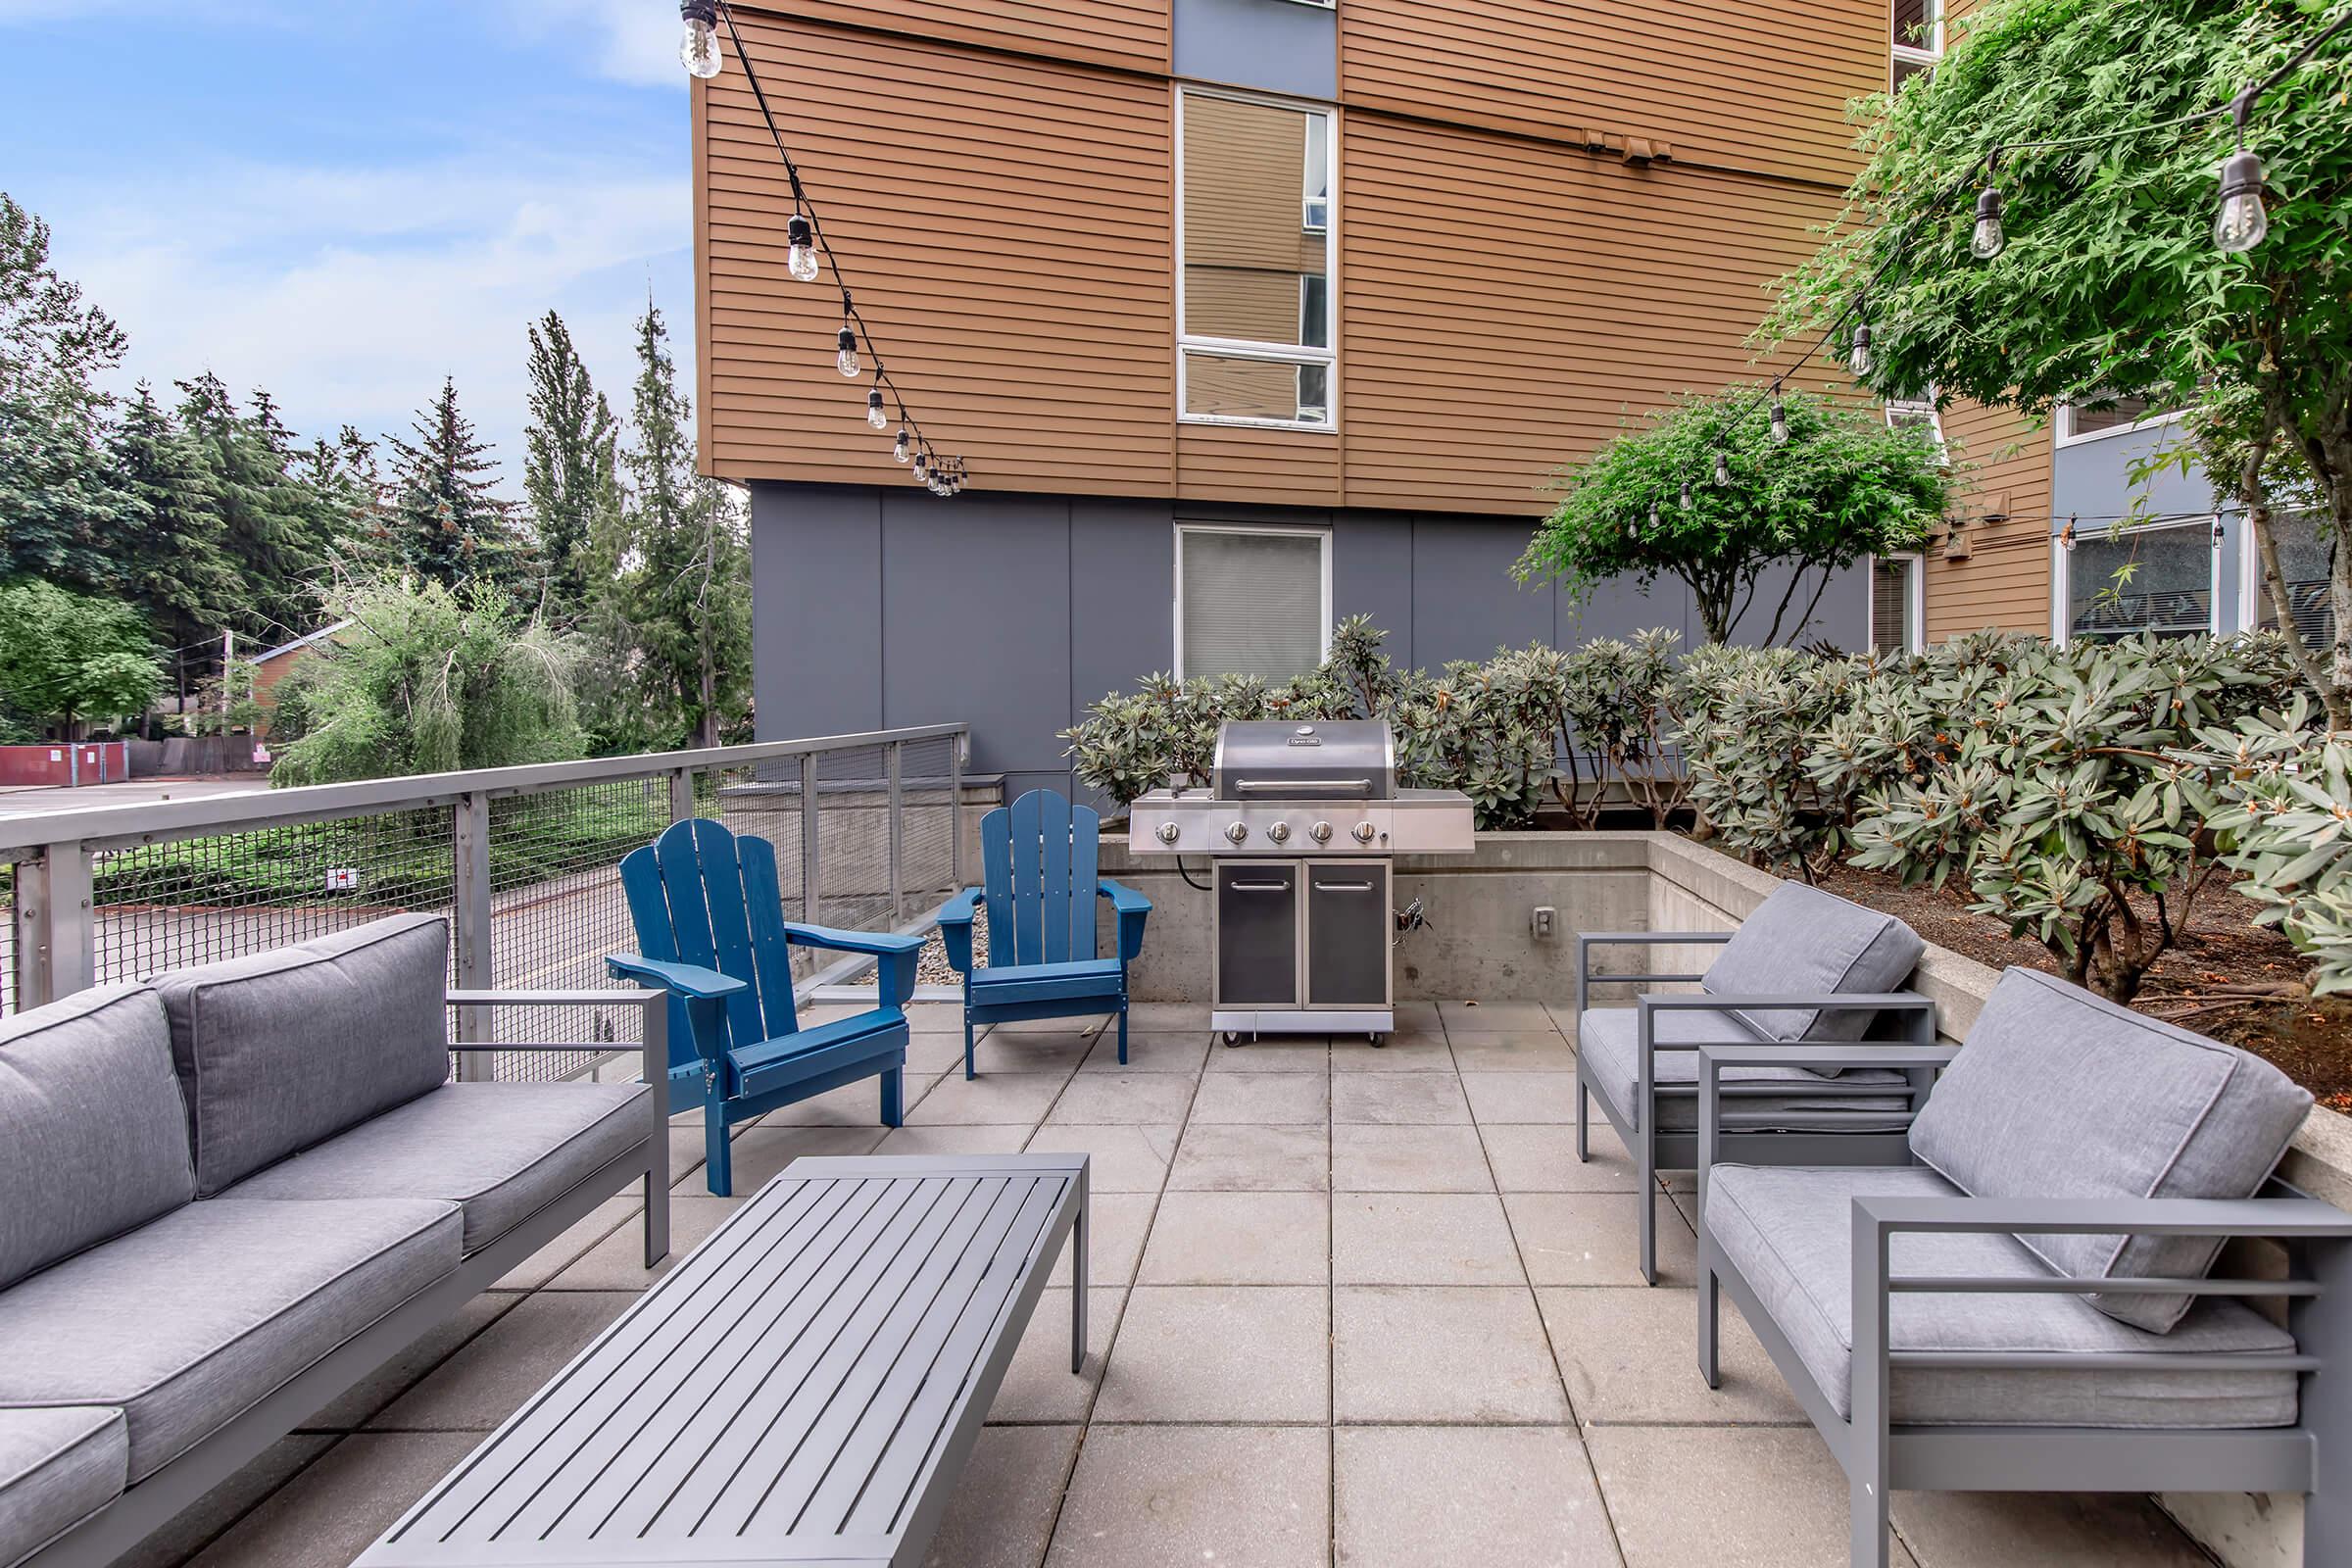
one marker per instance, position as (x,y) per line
(225,894)
(854,839)
(556,908)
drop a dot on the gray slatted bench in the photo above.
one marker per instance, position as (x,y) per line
(804,1389)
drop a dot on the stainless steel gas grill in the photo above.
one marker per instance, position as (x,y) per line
(1302,822)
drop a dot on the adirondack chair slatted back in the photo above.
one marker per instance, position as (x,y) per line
(703,896)
(1039,854)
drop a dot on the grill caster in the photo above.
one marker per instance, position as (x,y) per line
(1375,1039)
(1233,1037)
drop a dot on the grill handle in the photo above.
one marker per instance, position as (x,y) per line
(1260,887)
(1342,887)
(1287,786)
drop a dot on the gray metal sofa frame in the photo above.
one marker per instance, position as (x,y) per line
(2309,1457)
(156,1500)
(1762,1139)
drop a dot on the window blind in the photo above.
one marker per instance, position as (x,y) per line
(1251,604)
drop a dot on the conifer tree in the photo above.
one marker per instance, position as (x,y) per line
(269,539)
(570,461)
(168,554)
(448,524)
(57,498)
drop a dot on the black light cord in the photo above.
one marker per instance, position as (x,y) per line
(807,207)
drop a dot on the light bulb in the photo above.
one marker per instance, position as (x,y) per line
(846,362)
(1723,469)
(874,411)
(801,260)
(1989,239)
(922,466)
(1858,358)
(1686,495)
(1653,516)
(698,45)
(1779,422)
(2243,222)
(905,448)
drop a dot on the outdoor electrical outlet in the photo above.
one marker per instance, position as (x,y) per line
(1541,921)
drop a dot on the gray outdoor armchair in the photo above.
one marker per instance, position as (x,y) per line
(2023,1302)
(1806,966)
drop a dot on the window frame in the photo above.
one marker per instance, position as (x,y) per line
(2062,576)
(1926,405)
(1927,55)
(1915,600)
(1189,344)
(1306,203)
(2252,603)
(2064,434)
(1187,525)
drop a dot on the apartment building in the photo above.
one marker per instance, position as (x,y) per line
(1248,314)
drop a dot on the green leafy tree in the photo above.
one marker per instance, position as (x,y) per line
(2110,281)
(449,524)
(1649,504)
(685,558)
(570,466)
(58,501)
(68,657)
(431,678)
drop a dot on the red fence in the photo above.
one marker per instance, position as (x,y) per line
(81,762)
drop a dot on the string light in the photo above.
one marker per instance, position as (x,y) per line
(1779,422)
(809,254)
(1990,238)
(1858,358)
(2244,220)
(1722,466)
(1687,497)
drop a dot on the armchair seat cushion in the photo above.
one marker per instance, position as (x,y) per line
(187,1321)
(500,1152)
(1607,1042)
(1016,984)
(1788,1233)
(1802,941)
(58,1465)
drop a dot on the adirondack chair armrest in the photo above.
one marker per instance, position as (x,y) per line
(894,956)
(1131,908)
(686,979)
(955,927)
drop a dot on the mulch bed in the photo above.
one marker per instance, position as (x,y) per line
(2311,1041)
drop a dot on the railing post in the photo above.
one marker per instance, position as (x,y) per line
(471,936)
(810,908)
(66,927)
(893,765)
(681,794)
(33,934)
(955,814)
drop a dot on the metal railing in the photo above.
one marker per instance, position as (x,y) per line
(523,859)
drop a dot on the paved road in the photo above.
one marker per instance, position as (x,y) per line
(30,799)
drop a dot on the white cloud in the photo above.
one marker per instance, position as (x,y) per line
(628,40)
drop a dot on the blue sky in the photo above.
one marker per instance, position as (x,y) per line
(344,200)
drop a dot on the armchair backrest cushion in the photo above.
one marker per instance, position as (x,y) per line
(2057,1093)
(282,1049)
(1802,940)
(93,1136)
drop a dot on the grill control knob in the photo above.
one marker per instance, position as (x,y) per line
(1237,831)
(1320,832)
(1363,832)
(1168,832)
(1279,832)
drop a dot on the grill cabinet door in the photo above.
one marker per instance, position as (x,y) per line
(1348,935)
(1257,934)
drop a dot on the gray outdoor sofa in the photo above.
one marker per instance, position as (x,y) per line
(2023,1302)
(229,1195)
(1806,966)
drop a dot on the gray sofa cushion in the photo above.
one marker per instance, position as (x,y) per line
(94,1135)
(286,1048)
(1606,1044)
(58,1466)
(1803,941)
(187,1321)
(1788,1233)
(2061,1093)
(500,1150)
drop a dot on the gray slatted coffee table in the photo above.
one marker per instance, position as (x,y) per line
(804,1389)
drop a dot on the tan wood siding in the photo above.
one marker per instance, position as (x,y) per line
(1505,304)
(1131,34)
(1239,463)
(1728,82)
(1007,226)
(2004,582)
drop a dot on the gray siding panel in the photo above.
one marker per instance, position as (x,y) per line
(816,611)
(1270,45)
(1372,574)
(1465,602)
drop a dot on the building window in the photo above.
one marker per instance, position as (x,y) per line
(1898,605)
(2100,415)
(2307,561)
(1915,40)
(1918,413)
(1252,600)
(2157,579)
(1255,220)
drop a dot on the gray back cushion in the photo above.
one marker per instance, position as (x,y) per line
(1802,939)
(285,1050)
(2061,1093)
(93,1137)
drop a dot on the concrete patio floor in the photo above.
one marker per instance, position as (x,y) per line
(1353,1306)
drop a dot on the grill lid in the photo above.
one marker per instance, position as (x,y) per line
(1319,759)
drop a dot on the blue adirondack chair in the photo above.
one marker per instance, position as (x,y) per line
(1039,856)
(711,919)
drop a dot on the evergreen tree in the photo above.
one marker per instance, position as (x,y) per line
(168,554)
(569,466)
(264,525)
(687,584)
(447,525)
(58,501)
